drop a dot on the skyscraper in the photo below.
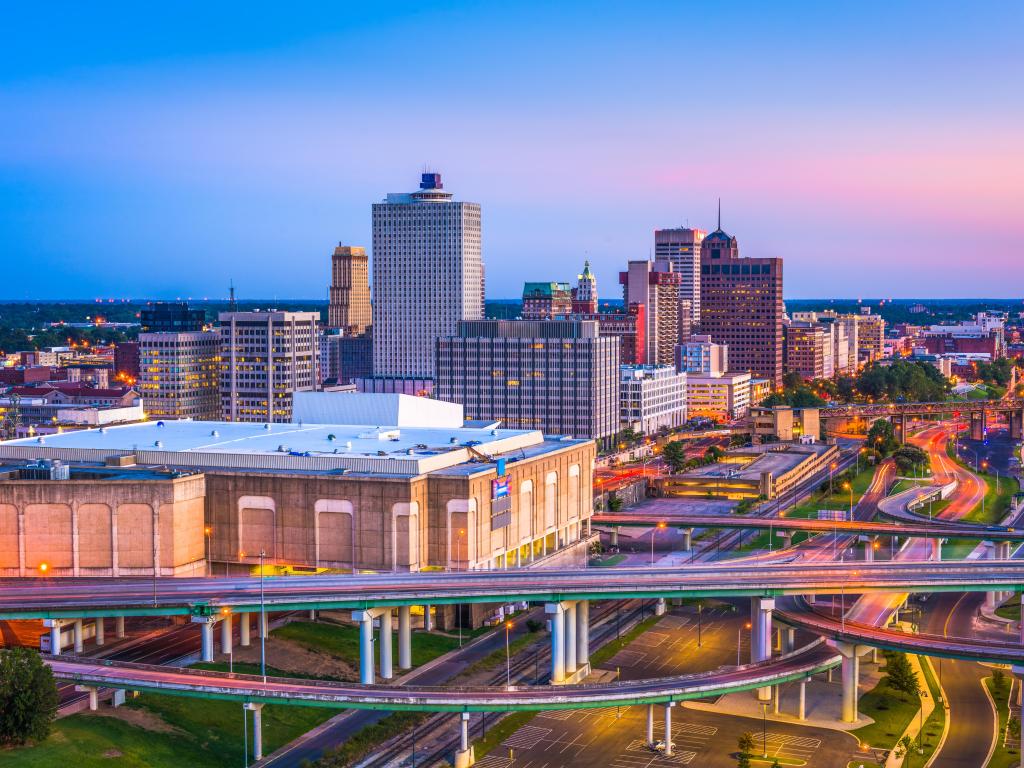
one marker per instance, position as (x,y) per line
(584,299)
(654,285)
(681,246)
(741,306)
(349,293)
(427,276)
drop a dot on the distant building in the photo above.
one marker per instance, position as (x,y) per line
(584,299)
(784,424)
(721,398)
(681,246)
(628,326)
(741,306)
(179,374)
(808,350)
(558,376)
(651,397)
(985,335)
(265,357)
(126,361)
(343,359)
(171,317)
(701,355)
(348,307)
(656,286)
(428,275)
(546,301)
(870,336)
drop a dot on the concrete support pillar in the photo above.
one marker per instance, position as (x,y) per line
(1021,635)
(261,625)
(755,629)
(660,607)
(615,536)
(404,638)
(464,756)
(687,539)
(94,696)
(207,637)
(869,551)
(557,617)
(762,651)
(428,624)
(776,694)
(874,655)
(668,728)
(851,679)
(788,640)
(312,614)
(365,647)
(79,642)
(650,724)
(100,636)
(56,647)
(386,671)
(243,629)
(119,627)
(226,636)
(257,729)
(570,638)
(583,634)
(936,549)
(801,709)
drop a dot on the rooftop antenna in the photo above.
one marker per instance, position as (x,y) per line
(232,305)
(719,214)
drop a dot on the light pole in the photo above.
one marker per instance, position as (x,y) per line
(245,735)
(508,658)
(660,526)
(458,552)
(209,566)
(263,623)
(849,487)
(739,640)
(764,729)
(831,469)
(700,608)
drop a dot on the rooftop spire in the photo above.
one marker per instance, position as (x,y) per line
(719,214)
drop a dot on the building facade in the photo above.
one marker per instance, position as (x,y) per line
(741,306)
(179,374)
(808,350)
(656,286)
(265,357)
(348,307)
(546,301)
(629,327)
(584,298)
(721,398)
(559,377)
(681,246)
(428,275)
(651,397)
(701,355)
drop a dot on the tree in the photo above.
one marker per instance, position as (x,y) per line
(910,457)
(675,455)
(614,502)
(902,677)
(745,742)
(28,697)
(882,437)
(713,454)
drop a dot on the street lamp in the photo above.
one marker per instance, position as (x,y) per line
(659,527)
(458,553)
(263,623)
(225,612)
(831,469)
(700,608)
(764,729)
(508,658)
(849,487)
(209,566)
(739,640)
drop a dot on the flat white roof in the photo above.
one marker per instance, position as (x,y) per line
(363,448)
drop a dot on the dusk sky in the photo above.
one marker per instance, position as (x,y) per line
(159,150)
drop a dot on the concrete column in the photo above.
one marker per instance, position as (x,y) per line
(386,672)
(874,655)
(243,629)
(79,643)
(788,640)
(660,607)
(615,536)
(94,699)
(365,619)
(257,729)
(100,637)
(936,549)
(869,551)
(1021,635)
(206,628)
(557,614)
(312,614)
(119,627)
(464,756)
(668,728)
(801,710)
(687,539)
(404,638)
(776,694)
(650,724)
(583,634)
(261,625)
(755,630)
(570,638)
(55,640)
(851,680)
(225,634)
(761,645)
(428,624)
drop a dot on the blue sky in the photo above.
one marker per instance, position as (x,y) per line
(162,152)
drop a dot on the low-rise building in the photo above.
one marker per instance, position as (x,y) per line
(721,398)
(546,301)
(701,355)
(784,424)
(651,397)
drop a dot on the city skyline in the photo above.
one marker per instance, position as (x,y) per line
(235,145)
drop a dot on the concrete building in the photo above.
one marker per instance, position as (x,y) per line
(808,350)
(629,327)
(559,376)
(344,359)
(546,301)
(721,398)
(654,285)
(99,521)
(651,397)
(428,275)
(681,246)
(784,424)
(126,362)
(584,297)
(377,498)
(171,317)
(179,373)
(759,390)
(741,306)
(985,335)
(842,330)
(41,414)
(348,308)
(701,355)
(870,336)
(266,356)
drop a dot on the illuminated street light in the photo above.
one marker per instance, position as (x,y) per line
(662,525)
(508,657)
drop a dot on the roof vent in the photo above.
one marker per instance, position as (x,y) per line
(453,441)
(160,424)
(40,440)
(382,453)
(348,445)
(266,427)
(282,448)
(103,430)
(331,438)
(158,444)
(214,433)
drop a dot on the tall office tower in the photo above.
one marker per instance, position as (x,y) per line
(546,301)
(427,276)
(179,363)
(681,246)
(656,286)
(584,298)
(349,293)
(741,306)
(871,335)
(558,376)
(265,357)
(808,350)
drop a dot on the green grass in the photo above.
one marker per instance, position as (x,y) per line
(997,503)
(1010,609)
(496,657)
(892,712)
(1005,755)
(839,499)
(359,744)
(608,561)
(606,651)
(342,642)
(936,721)
(501,731)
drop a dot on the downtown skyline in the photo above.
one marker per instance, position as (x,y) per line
(232,147)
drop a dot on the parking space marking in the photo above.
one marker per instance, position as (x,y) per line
(527,737)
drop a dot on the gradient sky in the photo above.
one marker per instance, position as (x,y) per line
(160,150)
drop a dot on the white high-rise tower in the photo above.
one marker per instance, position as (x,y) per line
(427,276)
(681,246)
